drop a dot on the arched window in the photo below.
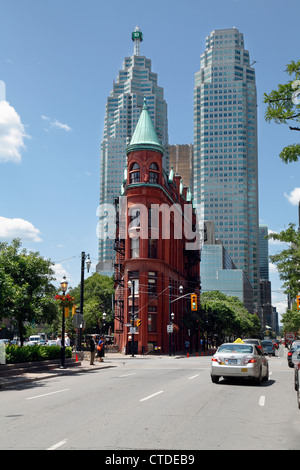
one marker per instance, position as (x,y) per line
(134,174)
(153,173)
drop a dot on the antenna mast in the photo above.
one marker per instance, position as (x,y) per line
(137,37)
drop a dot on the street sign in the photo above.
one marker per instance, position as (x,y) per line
(132,329)
(127,324)
(169,328)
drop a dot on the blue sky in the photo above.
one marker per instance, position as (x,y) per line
(58,59)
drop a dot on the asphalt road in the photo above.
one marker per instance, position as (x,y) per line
(153,403)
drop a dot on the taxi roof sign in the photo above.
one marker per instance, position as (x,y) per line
(239,340)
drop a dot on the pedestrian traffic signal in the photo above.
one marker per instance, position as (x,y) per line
(138,322)
(193,302)
(298,302)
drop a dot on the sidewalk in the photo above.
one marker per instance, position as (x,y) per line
(36,375)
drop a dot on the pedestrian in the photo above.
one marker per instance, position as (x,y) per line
(100,349)
(67,340)
(92,349)
(187,346)
(58,341)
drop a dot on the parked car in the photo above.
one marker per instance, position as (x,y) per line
(239,360)
(268,347)
(290,355)
(253,341)
(51,342)
(294,343)
(5,341)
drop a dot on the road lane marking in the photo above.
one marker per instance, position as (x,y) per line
(59,444)
(126,375)
(262,400)
(150,396)
(194,376)
(47,394)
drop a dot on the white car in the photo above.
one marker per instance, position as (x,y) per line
(239,360)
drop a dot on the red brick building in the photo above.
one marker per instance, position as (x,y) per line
(155,221)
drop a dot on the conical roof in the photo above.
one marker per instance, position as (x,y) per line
(144,136)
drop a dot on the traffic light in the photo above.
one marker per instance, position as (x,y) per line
(193,302)
(138,322)
(298,302)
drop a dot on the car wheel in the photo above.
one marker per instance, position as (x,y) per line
(215,379)
(266,377)
(259,378)
(298,391)
(296,380)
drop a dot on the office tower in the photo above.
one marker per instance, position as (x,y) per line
(263,253)
(181,159)
(225,148)
(265,284)
(135,81)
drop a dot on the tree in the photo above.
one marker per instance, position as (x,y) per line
(98,291)
(291,320)
(226,315)
(26,292)
(283,106)
(288,261)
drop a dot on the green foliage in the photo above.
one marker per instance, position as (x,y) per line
(283,108)
(291,320)
(225,315)
(98,291)
(288,261)
(17,355)
(26,292)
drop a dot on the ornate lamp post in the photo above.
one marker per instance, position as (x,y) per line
(84,258)
(131,284)
(64,286)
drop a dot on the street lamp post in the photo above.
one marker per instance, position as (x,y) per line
(131,284)
(103,322)
(88,265)
(171,319)
(64,286)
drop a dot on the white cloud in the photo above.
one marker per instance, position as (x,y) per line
(293,197)
(54,123)
(12,134)
(272,268)
(18,228)
(59,271)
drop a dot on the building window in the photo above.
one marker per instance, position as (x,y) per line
(135,247)
(152,320)
(153,173)
(134,174)
(152,283)
(152,248)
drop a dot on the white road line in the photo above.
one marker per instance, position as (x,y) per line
(150,396)
(194,376)
(126,375)
(47,394)
(262,400)
(59,444)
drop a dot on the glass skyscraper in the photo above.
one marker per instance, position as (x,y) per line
(225,181)
(134,82)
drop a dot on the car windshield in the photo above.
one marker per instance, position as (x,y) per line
(236,348)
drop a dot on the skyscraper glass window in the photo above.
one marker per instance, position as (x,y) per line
(225,181)
(134,82)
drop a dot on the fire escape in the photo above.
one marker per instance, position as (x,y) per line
(119,247)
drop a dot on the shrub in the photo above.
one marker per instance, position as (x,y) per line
(16,354)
